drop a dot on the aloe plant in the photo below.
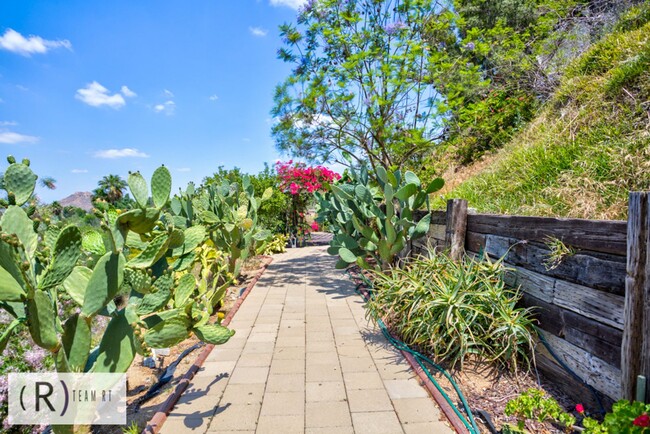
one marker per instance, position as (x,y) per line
(375,218)
(141,253)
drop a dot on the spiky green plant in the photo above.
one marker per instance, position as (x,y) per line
(454,309)
(141,251)
(229,213)
(375,219)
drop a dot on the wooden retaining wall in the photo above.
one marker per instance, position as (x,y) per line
(581,303)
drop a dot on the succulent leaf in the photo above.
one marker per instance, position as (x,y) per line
(213,334)
(117,348)
(104,283)
(139,188)
(161,186)
(41,320)
(67,251)
(20,181)
(76,341)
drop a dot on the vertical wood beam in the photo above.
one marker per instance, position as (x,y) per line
(456,227)
(635,351)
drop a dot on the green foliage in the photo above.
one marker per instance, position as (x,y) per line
(360,83)
(39,272)
(229,213)
(375,221)
(587,149)
(110,188)
(277,244)
(534,404)
(625,417)
(454,310)
(271,212)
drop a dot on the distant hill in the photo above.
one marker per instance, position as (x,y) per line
(80,199)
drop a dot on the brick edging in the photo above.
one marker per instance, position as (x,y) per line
(452,417)
(159,418)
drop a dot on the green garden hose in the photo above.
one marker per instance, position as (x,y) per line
(423,361)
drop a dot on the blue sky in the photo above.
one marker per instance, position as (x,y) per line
(89,87)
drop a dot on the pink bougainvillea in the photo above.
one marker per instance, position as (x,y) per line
(300,181)
(299,178)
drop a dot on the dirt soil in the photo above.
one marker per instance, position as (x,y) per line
(489,389)
(141,378)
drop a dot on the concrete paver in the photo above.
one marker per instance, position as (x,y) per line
(305,360)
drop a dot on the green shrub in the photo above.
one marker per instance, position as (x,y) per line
(455,309)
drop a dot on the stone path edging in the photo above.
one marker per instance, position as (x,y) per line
(159,418)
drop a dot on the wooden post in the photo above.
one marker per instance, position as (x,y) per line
(456,227)
(635,351)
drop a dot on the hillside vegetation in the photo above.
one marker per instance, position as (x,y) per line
(589,144)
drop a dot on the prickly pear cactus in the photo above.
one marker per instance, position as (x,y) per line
(375,219)
(141,255)
(229,213)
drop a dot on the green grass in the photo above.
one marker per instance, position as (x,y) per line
(588,147)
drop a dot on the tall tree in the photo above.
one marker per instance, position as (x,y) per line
(110,188)
(360,83)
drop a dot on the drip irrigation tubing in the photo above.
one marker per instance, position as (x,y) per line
(423,361)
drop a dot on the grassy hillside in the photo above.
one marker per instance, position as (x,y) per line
(586,149)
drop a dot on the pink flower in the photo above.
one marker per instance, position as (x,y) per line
(314,226)
(294,188)
(580,408)
(642,421)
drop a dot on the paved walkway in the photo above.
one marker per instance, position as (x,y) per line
(305,359)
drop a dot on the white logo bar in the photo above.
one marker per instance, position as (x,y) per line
(67,399)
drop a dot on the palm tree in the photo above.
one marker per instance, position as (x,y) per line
(110,188)
(48,182)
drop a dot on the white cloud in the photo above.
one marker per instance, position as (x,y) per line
(17,43)
(8,123)
(183,169)
(21,87)
(120,153)
(213,97)
(167,107)
(79,171)
(295,4)
(128,92)
(96,95)
(258,31)
(168,93)
(12,138)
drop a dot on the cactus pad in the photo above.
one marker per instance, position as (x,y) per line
(161,186)
(213,334)
(20,181)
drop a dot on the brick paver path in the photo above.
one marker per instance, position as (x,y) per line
(305,360)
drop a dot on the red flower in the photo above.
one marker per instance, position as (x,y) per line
(314,226)
(580,408)
(642,421)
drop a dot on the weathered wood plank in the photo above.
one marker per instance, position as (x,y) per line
(608,236)
(635,352)
(582,269)
(598,305)
(456,227)
(438,217)
(535,284)
(599,339)
(554,374)
(599,374)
